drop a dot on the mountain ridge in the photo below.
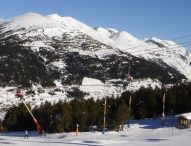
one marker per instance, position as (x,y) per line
(51,55)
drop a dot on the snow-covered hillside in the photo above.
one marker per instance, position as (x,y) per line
(54,25)
(170,53)
(1,20)
(140,133)
(51,56)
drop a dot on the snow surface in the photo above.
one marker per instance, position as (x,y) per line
(60,64)
(145,83)
(98,89)
(94,87)
(172,54)
(141,133)
(186,115)
(1,20)
(28,20)
(8,99)
(54,25)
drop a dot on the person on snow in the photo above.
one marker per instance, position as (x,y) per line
(26,134)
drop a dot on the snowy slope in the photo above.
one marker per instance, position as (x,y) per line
(98,89)
(154,49)
(33,25)
(171,53)
(116,39)
(29,20)
(35,20)
(54,25)
(1,20)
(56,35)
(55,21)
(141,133)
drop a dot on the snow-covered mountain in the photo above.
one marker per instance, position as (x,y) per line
(51,56)
(154,49)
(1,20)
(172,54)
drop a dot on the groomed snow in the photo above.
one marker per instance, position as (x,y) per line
(186,115)
(141,133)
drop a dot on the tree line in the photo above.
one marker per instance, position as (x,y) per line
(63,116)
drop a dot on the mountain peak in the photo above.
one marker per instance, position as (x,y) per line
(113,30)
(107,33)
(30,19)
(30,15)
(124,36)
(54,16)
(116,35)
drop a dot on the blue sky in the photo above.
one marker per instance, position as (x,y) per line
(165,19)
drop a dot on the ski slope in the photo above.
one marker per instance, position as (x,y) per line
(141,133)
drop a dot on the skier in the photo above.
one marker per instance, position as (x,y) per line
(26,134)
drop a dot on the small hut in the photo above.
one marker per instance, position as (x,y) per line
(184,120)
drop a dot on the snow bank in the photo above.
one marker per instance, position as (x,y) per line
(91,85)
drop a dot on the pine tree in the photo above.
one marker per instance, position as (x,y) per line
(44,114)
(18,118)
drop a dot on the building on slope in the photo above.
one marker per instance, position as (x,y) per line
(184,120)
